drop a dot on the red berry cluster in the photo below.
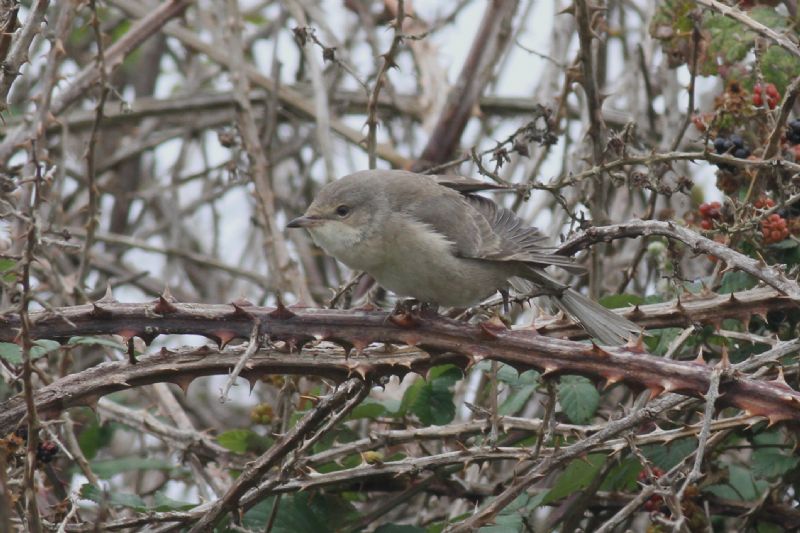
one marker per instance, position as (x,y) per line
(709,211)
(655,502)
(769,91)
(764,203)
(774,228)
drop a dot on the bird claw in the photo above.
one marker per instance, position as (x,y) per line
(411,306)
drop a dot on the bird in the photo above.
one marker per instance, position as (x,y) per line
(420,238)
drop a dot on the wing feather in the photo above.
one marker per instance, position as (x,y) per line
(477,227)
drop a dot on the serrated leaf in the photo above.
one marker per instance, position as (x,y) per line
(578,398)
(768,17)
(434,407)
(740,486)
(432,400)
(622,477)
(729,41)
(302,513)
(577,476)
(736,281)
(779,67)
(665,456)
(512,517)
(770,460)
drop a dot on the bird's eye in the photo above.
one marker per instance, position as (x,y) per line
(342,211)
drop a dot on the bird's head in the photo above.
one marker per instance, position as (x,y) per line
(343,213)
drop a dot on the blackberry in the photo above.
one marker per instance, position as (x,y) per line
(733,145)
(793,131)
(46,451)
(722,145)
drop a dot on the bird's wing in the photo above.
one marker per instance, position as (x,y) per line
(480,229)
(509,239)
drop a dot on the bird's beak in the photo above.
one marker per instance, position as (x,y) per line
(305,221)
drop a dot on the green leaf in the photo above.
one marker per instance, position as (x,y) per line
(516,399)
(740,486)
(7,267)
(162,503)
(97,341)
(132,501)
(369,408)
(243,440)
(512,517)
(508,374)
(768,16)
(779,67)
(665,456)
(94,437)
(659,340)
(736,281)
(521,387)
(623,476)
(111,467)
(43,347)
(614,301)
(396,528)
(432,400)
(99,496)
(302,513)
(577,476)
(578,397)
(13,352)
(730,42)
(769,459)
(766,527)
(786,244)
(505,373)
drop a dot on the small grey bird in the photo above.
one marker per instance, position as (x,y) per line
(421,239)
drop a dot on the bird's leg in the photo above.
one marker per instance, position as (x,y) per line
(504,296)
(405,307)
(411,306)
(428,309)
(369,300)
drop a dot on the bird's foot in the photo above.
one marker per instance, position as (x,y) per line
(411,306)
(405,307)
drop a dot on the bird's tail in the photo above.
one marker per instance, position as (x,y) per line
(600,322)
